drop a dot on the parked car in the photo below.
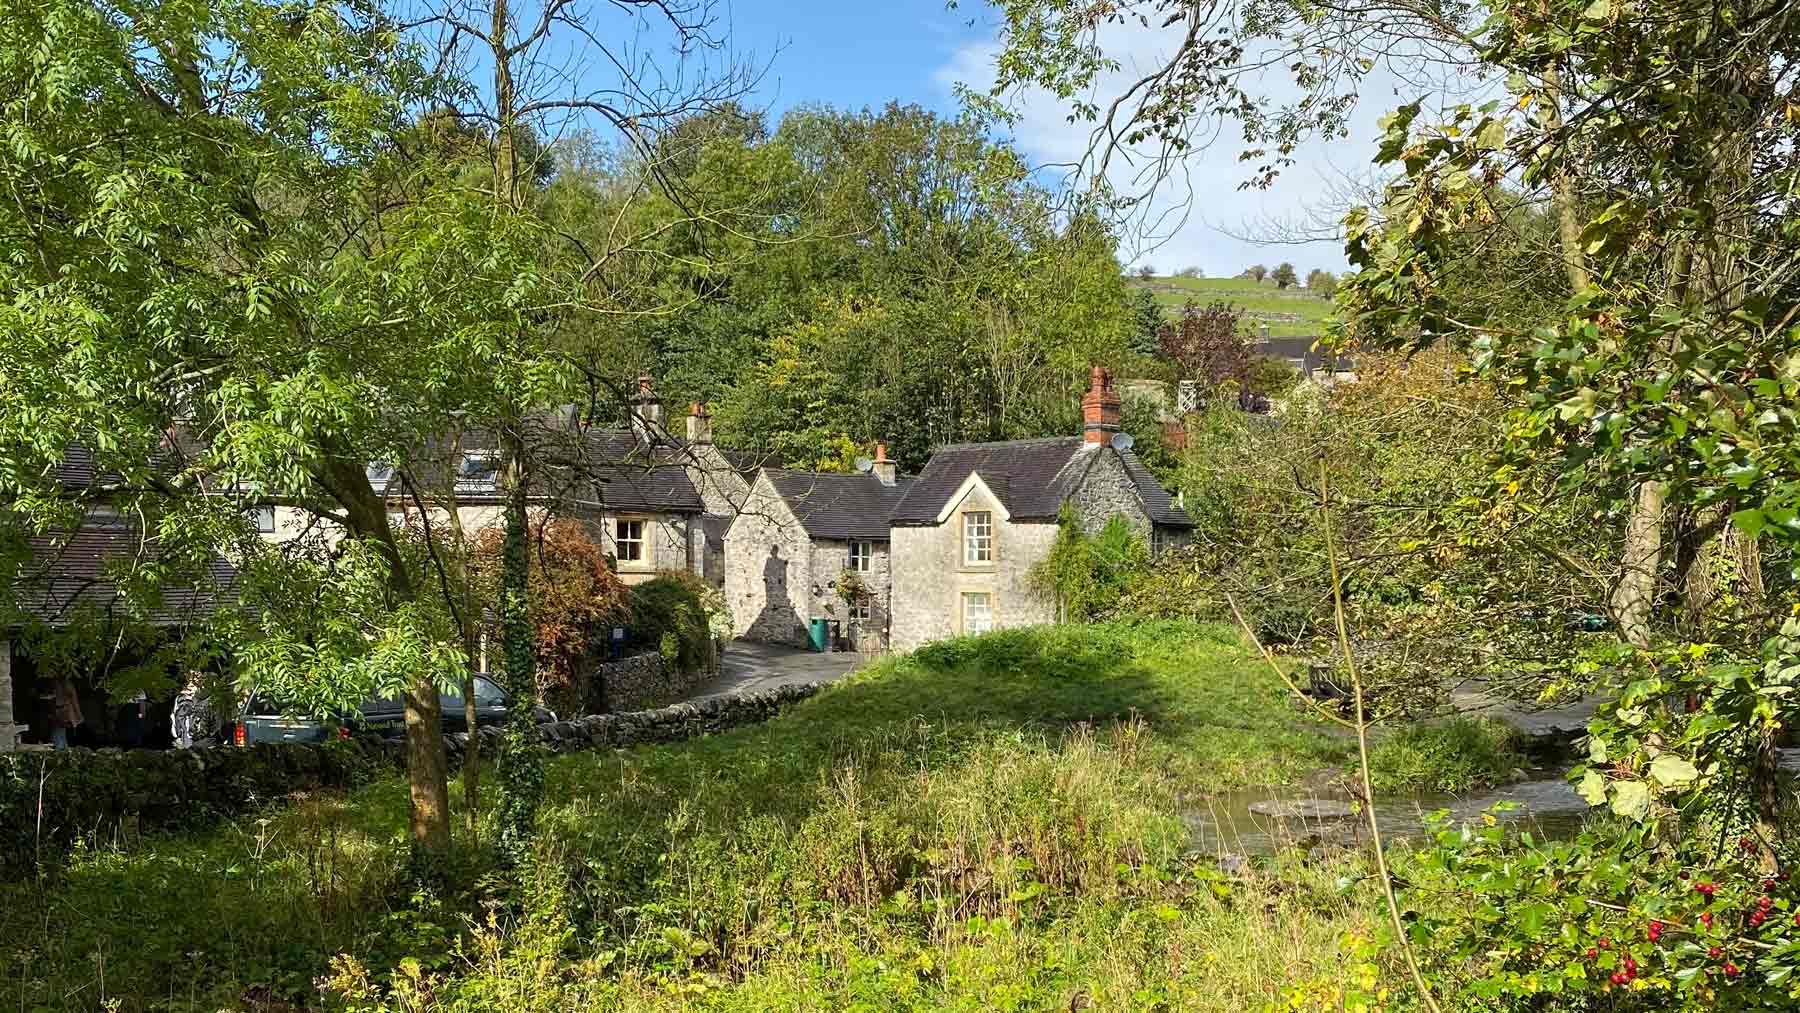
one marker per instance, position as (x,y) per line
(262,720)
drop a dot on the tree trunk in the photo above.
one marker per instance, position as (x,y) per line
(1634,595)
(427,769)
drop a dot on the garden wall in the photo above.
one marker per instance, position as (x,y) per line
(103,795)
(644,680)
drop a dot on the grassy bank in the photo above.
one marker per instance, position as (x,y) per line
(989,824)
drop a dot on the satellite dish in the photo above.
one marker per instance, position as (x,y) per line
(1123,441)
(865,464)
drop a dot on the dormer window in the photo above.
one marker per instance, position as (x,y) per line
(978,538)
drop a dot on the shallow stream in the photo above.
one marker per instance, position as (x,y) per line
(1259,821)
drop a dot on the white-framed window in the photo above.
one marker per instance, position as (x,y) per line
(859,612)
(263,517)
(862,556)
(630,541)
(977,611)
(978,537)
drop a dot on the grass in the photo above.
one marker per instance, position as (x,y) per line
(1293,312)
(1458,755)
(991,823)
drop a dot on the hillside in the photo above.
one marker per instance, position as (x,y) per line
(1290,313)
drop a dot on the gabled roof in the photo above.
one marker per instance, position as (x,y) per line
(839,506)
(1031,478)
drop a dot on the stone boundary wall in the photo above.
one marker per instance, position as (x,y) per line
(637,681)
(105,795)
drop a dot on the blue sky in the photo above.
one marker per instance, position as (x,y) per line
(867,52)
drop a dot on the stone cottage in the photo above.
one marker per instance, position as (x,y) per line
(810,545)
(653,499)
(980,515)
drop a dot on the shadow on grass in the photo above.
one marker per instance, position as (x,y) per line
(263,905)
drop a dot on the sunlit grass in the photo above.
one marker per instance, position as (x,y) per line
(989,824)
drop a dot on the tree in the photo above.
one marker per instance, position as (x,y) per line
(1190,272)
(1321,283)
(1208,347)
(1283,275)
(1146,273)
(1256,273)
(516,42)
(283,289)
(1669,372)
(1149,319)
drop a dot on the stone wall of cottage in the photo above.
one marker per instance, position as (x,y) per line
(769,592)
(1107,491)
(666,541)
(829,559)
(930,578)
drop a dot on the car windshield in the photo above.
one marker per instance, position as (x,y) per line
(487,694)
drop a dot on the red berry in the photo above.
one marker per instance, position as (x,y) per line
(1705,888)
(1715,953)
(1630,967)
(1747,844)
(1731,970)
(1605,943)
(1618,978)
(1592,953)
(1706,918)
(1768,884)
(1765,902)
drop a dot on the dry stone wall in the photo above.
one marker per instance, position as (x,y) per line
(106,794)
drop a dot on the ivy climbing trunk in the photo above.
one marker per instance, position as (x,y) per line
(520,770)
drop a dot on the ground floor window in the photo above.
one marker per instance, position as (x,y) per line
(977,612)
(859,612)
(630,541)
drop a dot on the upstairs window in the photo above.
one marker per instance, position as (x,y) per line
(630,541)
(978,537)
(862,556)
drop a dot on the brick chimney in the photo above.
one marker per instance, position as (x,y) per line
(885,471)
(1099,408)
(699,424)
(646,410)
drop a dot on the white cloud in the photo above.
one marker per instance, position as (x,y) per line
(1200,216)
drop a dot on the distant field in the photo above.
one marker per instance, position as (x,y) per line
(1292,313)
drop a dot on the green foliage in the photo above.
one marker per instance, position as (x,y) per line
(1612,915)
(1083,574)
(678,612)
(884,274)
(53,803)
(1292,313)
(1283,276)
(901,839)
(1461,754)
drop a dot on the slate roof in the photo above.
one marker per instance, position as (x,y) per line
(1301,351)
(68,575)
(614,468)
(1032,478)
(839,506)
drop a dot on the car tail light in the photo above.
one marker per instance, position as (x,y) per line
(239,734)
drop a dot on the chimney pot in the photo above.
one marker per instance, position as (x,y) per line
(699,424)
(646,410)
(886,472)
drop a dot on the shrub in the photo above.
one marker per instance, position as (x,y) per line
(681,614)
(575,597)
(1458,755)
